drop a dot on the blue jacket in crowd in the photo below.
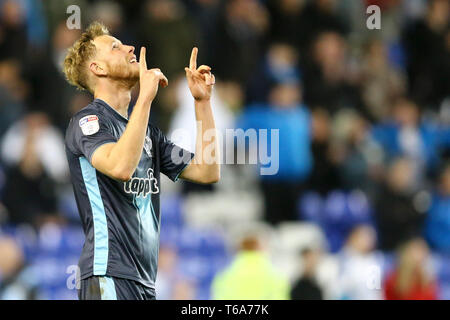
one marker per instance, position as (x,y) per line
(294,124)
(437,227)
(433,139)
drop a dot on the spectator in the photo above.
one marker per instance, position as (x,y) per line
(240,33)
(206,13)
(13,32)
(325,164)
(170,284)
(13,91)
(35,134)
(286,113)
(328,82)
(286,22)
(411,279)
(250,276)
(381,82)
(357,262)
(50,92)
(13,285)
(12,258)
(438,220)
(37,26)
(307,288)
(359,158)
(406,135)
(169,34)
(398,214)
(428,55)
(280,64)
(111,15)
(317,17)
(184,290)
(28,178)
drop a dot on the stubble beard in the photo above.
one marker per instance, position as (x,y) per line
(124,74)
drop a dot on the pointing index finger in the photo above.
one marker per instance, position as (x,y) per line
(142,61)
(193,62)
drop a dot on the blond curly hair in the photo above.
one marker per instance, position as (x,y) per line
(75,68)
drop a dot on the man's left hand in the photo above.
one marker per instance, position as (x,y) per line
(200,80)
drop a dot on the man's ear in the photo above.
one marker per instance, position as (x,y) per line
(97,69)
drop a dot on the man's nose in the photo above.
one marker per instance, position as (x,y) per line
(130,49)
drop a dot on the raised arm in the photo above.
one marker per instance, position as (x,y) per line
(119,160)
(204,167)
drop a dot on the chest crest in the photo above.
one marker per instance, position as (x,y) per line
(148,146)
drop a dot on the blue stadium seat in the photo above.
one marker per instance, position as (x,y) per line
(194,266)
(359,207)
(335,207)
(25,236)
(168,235)
(310,207)
(59,293)
(212,244)
(203,292)
(342,212)
(72,240)
(442,264)
(189,241)
(171,210)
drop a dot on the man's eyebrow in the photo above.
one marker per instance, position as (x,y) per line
(116,41)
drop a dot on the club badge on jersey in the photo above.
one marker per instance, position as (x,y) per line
(89,124)
(148,146)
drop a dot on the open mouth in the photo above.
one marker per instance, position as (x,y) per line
(133,59)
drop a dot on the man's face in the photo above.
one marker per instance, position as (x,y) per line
(116,59)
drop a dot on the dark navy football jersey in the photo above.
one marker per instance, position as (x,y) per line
(121,220)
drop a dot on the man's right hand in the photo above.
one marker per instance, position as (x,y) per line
(149,80)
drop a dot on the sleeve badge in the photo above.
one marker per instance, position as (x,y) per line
(89,124)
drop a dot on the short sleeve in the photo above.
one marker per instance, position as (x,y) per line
(87,133)
(173,158)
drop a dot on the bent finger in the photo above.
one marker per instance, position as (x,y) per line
(204,68)
(207,79)
(163,82)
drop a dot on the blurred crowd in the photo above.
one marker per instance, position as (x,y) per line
(360,205)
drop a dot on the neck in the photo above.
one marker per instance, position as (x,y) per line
(115,95)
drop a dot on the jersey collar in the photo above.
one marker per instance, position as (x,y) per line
(111,109)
